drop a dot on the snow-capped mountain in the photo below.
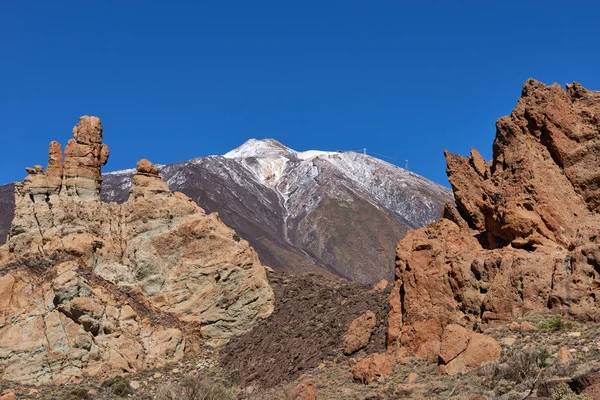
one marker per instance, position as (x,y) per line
(336,212)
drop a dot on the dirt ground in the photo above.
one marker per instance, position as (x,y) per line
(307,329)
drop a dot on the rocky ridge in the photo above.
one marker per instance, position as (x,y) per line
(523,236)
(95,288)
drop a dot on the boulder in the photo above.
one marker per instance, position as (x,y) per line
(359,332)
(373,368)
(564,355)
(305,390)
(454,341)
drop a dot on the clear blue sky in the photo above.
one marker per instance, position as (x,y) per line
(176,80)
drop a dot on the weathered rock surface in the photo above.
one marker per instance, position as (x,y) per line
(373,368)
(523,234)
(100,288)
(305,390)
(359,332)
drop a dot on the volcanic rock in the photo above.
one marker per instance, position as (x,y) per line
(306,390)
(523,234)
(97,288)
(359,332)
(373,368)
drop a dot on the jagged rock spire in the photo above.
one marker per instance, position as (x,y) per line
(80,174)
(85,155)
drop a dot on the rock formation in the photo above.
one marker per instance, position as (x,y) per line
(524,233)
(359,332)
(101,288)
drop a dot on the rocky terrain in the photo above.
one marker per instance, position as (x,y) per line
(339,214)
(89,288)
(494,300)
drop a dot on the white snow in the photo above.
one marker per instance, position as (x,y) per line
(293,176)
(301,178)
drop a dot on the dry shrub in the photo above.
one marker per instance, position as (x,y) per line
(196,388)
(556,323)
(564,392)
(522,370)
(119,385)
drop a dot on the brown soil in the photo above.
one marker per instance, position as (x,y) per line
(307,328)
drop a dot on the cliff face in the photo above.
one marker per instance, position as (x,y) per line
(97,288)
(523,236)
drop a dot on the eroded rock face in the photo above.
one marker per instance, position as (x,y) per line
(99,288)
(523,234)
(373,368)
(359,332)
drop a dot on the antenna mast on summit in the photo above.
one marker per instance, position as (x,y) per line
(365,151)
(406,165)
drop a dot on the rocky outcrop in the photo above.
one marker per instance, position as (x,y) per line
(359,332)
(305,390)
(97,288)
(523,234)
(373,368)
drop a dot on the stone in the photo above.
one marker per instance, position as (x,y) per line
(305,390)
(381,285)
(508,341)
(8,394)
(514,326)
(527,327)
(522,236)
(454,341)
(564,355)
(412,378)
(359,332)
(135,385)
(462,351)
(95,289)
(373,368)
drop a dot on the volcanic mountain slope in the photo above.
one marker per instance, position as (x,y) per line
(338,213)
(307,211)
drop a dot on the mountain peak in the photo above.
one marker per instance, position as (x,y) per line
(260,148)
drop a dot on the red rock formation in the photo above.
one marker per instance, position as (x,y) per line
(359,332)
(373,368)
(523,234)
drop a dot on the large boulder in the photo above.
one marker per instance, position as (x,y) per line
(92,288)
(373,368)
(522,235)
(359,332)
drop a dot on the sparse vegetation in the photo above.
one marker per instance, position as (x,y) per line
(556,323)
(119,385)
(517,367)
(564,392)
(80,393)
(196,388)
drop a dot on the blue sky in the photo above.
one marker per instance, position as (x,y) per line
(177,80)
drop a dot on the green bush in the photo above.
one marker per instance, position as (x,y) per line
(119,386)
(564,392)
(556,323)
